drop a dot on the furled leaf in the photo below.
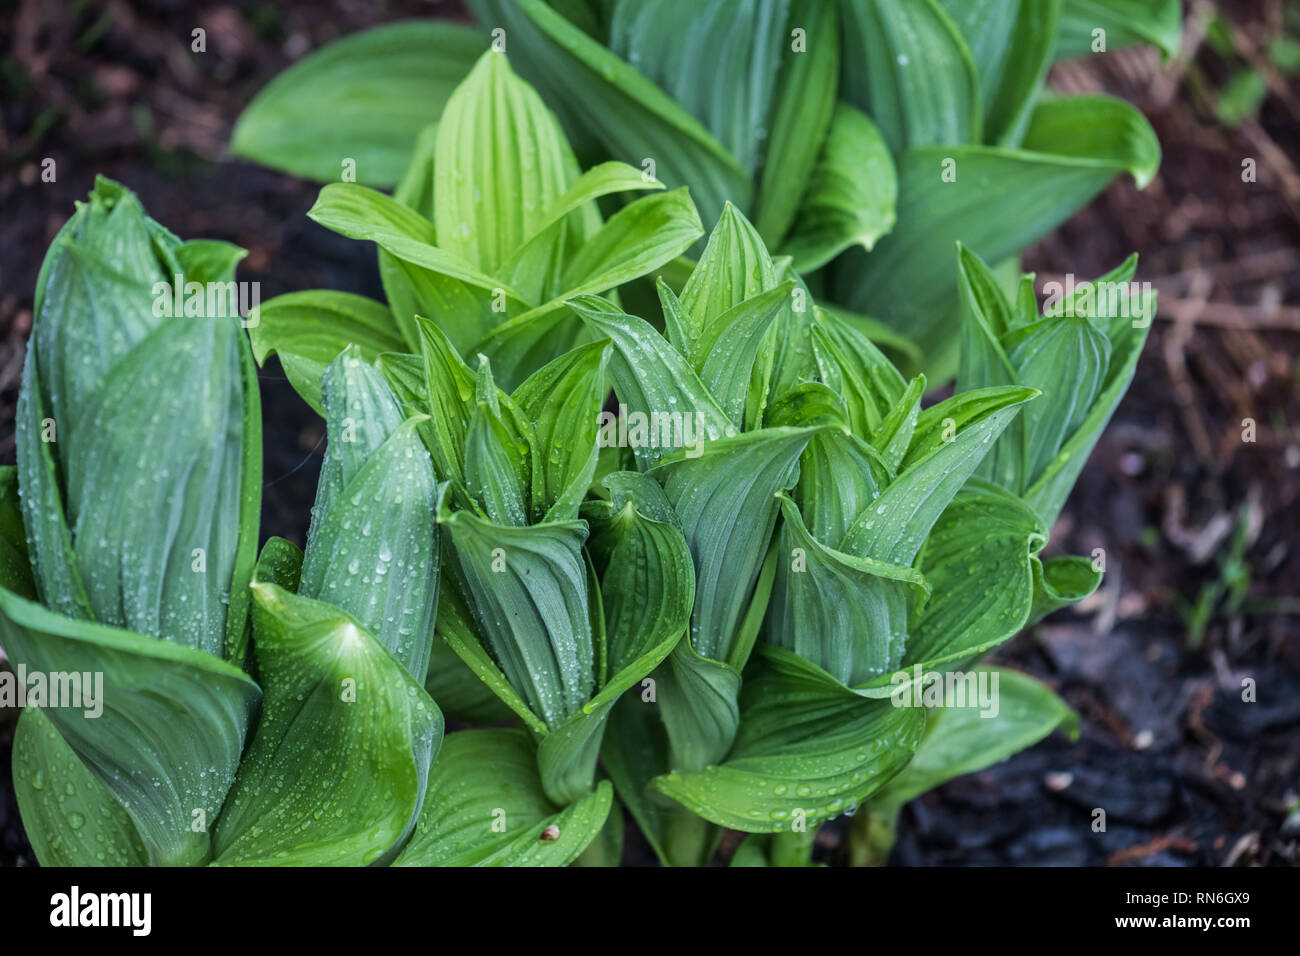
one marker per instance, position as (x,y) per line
(337,770)
(851,194)
(497,454)
(527,591)
(372,548)
(112,459)
(644,565)
(727,504)
(1061,581)
(485,807)
(911,72)
(364,98)
(562,400)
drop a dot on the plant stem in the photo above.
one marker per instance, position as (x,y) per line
(871,835)
(688,840)
(792,848)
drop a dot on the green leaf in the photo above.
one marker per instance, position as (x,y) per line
(728,509)
(1059,582)
(497,454)
(961,740)
(308,330)
(805,98)
(372,550)
(69,817)
(448,387)
(646,234)
(456,626)
(808,748)
(600,94)
(650,376)
(1127,335)
(699,706)
(894,435)
(911,71)
(1011,42)
(644,566)
(1028,56)
(851,365)
(634,751)
(172,726)
(1072,149)
(527,591)
(538,265)
(846,614)
(337,770)
(732,341)
(485,807)
(985,316)
(985,535)
(735,266)
(1125,22)
(15,567)
(183,534)
(933,472)
(365,97)
(562,400)
(109,453)
(717,58)
(362,213)
(839,476)
(1065,359)
(502,160)
(851,194)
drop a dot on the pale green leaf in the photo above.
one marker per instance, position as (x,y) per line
(364,97)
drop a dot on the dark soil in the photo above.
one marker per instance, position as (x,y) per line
(1190,516)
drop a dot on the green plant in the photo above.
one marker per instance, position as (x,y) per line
(296,734)
(488,233)
(863,138)
(888,559)
(749,597)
